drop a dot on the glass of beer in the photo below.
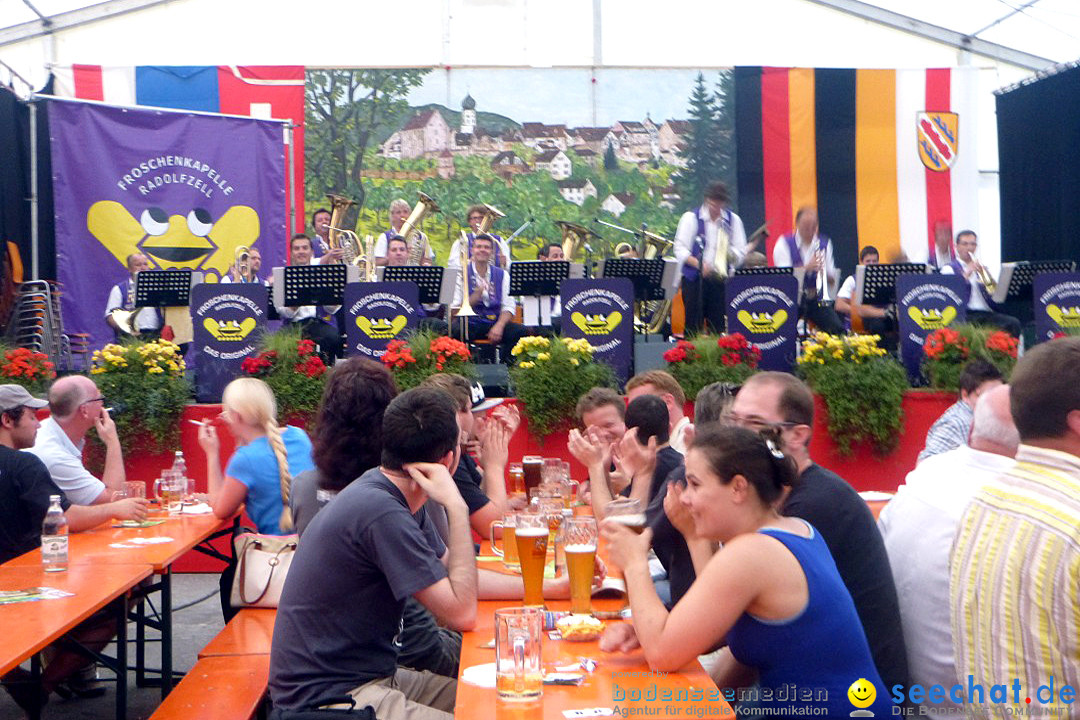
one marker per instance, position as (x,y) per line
(508,552)
(532,470)
(579,539)
(531,535)
(628,512)
(517,480)
(518,672)
(169,491)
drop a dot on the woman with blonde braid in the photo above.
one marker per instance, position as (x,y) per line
(267,457)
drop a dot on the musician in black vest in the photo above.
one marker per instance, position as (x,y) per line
(981,309)
(804,247)
(488,291)
(700,242)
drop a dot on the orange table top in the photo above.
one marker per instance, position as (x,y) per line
(223,688)
(94,546)
(249,633)
(617,675)
(30,626)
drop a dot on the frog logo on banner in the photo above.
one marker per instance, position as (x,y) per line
(762,322)
(229,330)
(932,318)
(381,328)
(597,323)
(1066,317)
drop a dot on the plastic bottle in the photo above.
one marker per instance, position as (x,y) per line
(54,537)
(179,468)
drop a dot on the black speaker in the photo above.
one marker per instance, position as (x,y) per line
(649,355)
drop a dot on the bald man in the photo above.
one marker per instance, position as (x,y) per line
(77,405)
(147,321)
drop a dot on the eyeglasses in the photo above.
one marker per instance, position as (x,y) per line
(100,398)
(755,423)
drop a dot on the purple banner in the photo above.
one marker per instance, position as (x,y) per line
(601,310)
(377,313)
(184,190)
(764,310)
(926,303)
(229,320)
(1056,298)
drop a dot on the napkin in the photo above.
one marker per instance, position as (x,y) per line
(480,675)
(199,508)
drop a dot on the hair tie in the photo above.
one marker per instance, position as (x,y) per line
(773,449)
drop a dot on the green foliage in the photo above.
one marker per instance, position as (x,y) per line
(610,162)
(710,359)
(146,380)
(549,376)
(710,146)
(948,350)
(862,386)
(288,364)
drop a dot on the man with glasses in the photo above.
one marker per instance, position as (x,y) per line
(500,255)
(781,405)
(77,405)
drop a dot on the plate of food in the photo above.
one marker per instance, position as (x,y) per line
(579,628)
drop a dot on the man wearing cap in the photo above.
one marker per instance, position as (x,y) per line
(77,405)
(25,488)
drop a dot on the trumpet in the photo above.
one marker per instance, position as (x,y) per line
(465,310)
(983,276)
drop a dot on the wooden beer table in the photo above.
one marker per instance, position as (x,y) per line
(617,679)
(185,532)
(250,632)
(31,626)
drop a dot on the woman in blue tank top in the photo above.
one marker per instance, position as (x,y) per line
(772,592)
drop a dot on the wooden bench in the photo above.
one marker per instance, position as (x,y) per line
(249,633)
(226,687)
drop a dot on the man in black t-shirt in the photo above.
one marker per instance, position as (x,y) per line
(781,404)
(25,488)
(362,556)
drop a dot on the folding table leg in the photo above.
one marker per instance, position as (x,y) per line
(121,658)
(166,633)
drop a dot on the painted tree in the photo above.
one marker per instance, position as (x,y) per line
(345,111)
(709,151)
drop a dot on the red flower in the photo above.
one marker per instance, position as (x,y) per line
(305,347)
(675,355)
(1003,343)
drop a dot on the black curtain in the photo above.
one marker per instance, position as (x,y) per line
(14,175)
(1039,161)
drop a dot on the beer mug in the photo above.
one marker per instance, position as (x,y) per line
(628,512)
(135,488)
(579,545)
(508,552)
(169,491)
(532,470)
(531,535)
(517,480)
(518,671)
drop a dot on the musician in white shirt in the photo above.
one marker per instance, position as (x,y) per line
(981,308)
(147,321)
(804,248)
(399,211)
(501,253)
(327,337)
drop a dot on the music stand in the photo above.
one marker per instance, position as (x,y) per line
(165,288)
(299,285)
(538,278)
(1014,282)
(653,279)
(876,284)
(435,285)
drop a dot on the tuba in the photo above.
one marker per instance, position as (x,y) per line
(338,237)
(575,237)
(491,214)
(654,313)
(125,319)
(366,262)
(410,229)
(242,263)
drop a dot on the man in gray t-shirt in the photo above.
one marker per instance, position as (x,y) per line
(362,556)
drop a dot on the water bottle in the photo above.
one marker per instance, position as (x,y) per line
(179,468)
(54,537)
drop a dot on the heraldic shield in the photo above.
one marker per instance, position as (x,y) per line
(938,135)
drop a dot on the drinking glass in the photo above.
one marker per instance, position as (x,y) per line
(508,552)
(518,634)
(169,491)
(628,512)
(517,480)
(532,469)
(579,543)
(531,536)
(120,495)
(135,488)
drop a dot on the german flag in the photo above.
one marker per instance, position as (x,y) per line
(884,155)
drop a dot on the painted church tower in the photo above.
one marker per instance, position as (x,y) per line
(468,115)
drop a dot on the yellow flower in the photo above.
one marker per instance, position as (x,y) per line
(544,356)
(526,364)
(574,361)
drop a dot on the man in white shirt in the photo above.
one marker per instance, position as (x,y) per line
(399,211)
(667,388)
(501,253)
(552,252)
(307,317)
(980,307)
(943,253)
(876,320)
(147,321)
(804,248)
(703,269)
(918,526)
(252,275)
(77,405)
(489,295)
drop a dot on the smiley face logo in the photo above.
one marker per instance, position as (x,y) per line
(381,328)
(762,322)
(1066,317)
(862,694)
(932,319)
(598,323)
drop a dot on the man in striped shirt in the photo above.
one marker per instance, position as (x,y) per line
(951,429)
(1015,568)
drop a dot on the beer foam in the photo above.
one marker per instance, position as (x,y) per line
(636,520)
(580,548)
(534,532)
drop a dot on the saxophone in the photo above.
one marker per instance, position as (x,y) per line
(410,229)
